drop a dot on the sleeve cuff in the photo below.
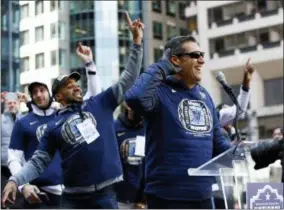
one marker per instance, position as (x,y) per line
(87,64)
(246,89)
(14,179)
(137,46)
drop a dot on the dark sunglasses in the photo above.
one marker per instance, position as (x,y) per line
(195,54)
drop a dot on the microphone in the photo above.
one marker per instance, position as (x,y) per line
(220,77)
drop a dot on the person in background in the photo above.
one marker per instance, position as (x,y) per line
(226,115)
(277,133)
(128,128)
(8,119)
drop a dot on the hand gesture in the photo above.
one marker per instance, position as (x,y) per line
(248,71)
(22,97)
(3,94)
(9,193)
(84,52)
(136,27)
(31,192)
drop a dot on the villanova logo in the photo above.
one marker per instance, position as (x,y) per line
(195,116)
(40,131)
(69,130)
(265,196)
(127,152)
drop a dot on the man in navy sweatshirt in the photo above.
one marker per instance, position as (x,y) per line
(129,129)
(85,137)
(182,128)
(25,139)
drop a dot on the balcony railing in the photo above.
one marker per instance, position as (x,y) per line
(224,22)
(267,45)
(244,17)
(224,53)
(248,49)
(266,13)
(230,52)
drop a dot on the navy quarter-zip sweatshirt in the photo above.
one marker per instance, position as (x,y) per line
(182,131)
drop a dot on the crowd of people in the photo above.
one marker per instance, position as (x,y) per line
(68,151)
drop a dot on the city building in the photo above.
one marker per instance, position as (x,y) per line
(50,32)
(111,36)
(10,42)
(230,32)
(44,40)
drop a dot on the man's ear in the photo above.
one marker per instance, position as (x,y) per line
(175,60)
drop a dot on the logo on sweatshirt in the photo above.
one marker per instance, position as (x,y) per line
(40,131)
(69,130)
(127,152)
(195,116)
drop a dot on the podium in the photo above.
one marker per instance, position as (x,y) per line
(233,168)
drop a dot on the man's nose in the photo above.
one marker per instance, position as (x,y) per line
(201,60)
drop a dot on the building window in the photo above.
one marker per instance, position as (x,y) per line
(157,30)
(57,30)
(24,11)
(55,5)
(24,37)
(53,57)
(157,6)
(158,54)
(272,97)
(58,57)
(4,46)
(16,15)
(171,8)
(4,22)
(39,61)
(181,7)
(39,7)
(171,31)
(25,64)
(62,58)
(192,24)
(16,47)
(39,33)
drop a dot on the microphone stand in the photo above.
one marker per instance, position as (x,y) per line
(233,97)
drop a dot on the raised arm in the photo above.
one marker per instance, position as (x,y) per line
(93,85)
(133,66)
(228,114)
(142,97)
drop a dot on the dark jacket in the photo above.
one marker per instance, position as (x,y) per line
(268,152)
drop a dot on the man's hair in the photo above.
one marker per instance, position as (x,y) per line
(175,44)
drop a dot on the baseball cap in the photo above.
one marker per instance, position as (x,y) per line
(59,81)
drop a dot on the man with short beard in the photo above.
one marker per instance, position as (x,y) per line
(26,137)
(84,135)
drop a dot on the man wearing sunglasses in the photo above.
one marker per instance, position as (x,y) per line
(182,128)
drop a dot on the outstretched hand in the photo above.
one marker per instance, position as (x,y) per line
(136,27)
(248,71)
(84,52)
(9,193)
